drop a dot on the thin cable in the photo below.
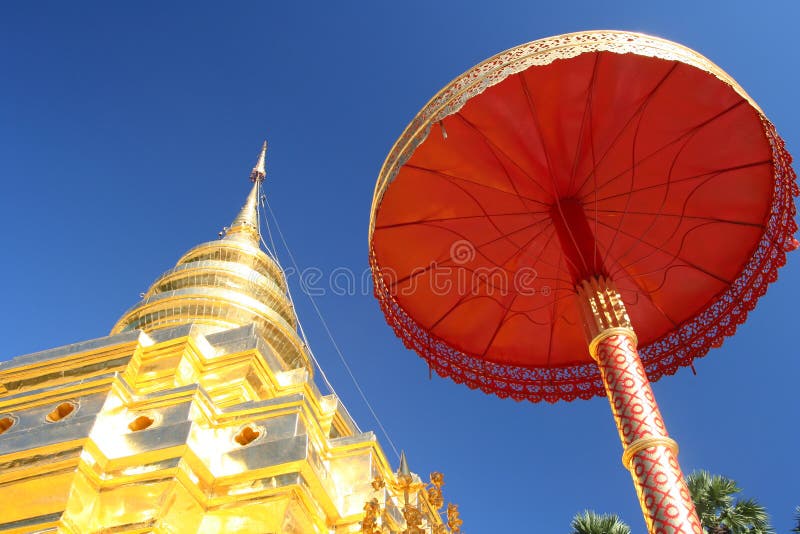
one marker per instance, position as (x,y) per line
(273,255)
(330,336)
(271,251)
(308,347)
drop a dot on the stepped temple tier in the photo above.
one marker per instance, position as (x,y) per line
(198,413)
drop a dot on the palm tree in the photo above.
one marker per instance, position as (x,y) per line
(719,512)
(797,519)
(591,523)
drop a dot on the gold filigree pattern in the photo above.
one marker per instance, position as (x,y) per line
(454,518)
(369,525)
(419,510)
(435,490)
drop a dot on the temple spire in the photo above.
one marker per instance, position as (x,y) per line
(259,172)
(245,226)
(226,283)
(403,470)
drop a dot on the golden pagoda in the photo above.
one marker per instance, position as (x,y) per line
(198,413)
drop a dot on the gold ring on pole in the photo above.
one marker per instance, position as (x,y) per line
(645,443)
(608,332)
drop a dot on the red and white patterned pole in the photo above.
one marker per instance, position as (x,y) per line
(649,453)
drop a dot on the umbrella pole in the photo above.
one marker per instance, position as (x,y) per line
(649,454)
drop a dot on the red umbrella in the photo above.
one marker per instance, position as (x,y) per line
(565,191)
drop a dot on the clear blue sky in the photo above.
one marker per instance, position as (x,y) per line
(127,131)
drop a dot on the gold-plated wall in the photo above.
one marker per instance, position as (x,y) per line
(151,444)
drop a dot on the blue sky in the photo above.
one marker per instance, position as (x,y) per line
(127,132)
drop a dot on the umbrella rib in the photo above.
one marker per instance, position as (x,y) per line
(633,177)
(461,217)
(500,324)
(561,258)
(467,297)
(495,149)
(454,177)
(647,295)
(450,310)
(532,111)
(688,178)
(677,227)
(496,239)
(541,253)
(686,135)
(655,89)
(527,244)
(593,174)
(698,217)
(664,197)
(688,132)
(660,249)
(480,207)
(587,111)
(486,282)
(444,260)
(563,296)
(663,271)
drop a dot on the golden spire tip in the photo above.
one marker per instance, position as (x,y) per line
(259,171)
(403,469)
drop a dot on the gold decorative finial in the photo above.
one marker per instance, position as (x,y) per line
(435,496)
(420,507)
(404,477)
(454,518)
(245,225)
(372,510)
(259,172)
(378,483)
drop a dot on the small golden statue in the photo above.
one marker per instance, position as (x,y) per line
(419,518)
(453,519)
(378,484)
(369,525)
(413,519)
(435,490)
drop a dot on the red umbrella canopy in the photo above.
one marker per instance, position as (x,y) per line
(595,153)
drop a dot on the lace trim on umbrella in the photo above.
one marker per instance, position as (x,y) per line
(693,339)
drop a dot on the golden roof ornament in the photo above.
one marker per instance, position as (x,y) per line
(245,226)
(420,506)
(403,470)
(259,172)
(224,284)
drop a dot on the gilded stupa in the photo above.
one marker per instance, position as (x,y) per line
(198,413)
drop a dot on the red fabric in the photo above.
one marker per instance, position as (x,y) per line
(686,188)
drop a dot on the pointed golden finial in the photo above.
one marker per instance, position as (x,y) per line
(259,172)
(403,469)
(245,225)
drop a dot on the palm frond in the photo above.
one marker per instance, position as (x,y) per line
(715,500)
(590,522)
